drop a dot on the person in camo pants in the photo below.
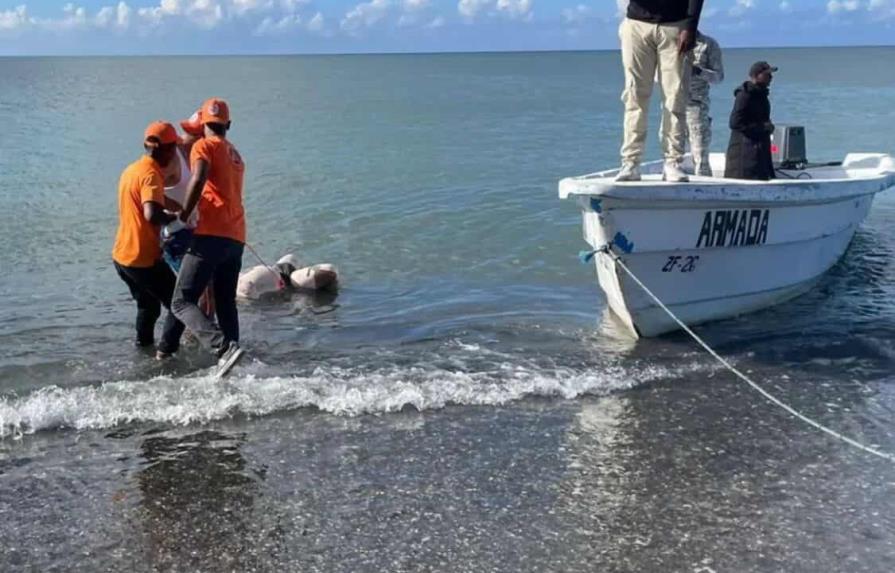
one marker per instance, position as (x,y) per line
(708,69)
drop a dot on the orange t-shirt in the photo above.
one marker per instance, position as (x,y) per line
(137,240)
(220,208)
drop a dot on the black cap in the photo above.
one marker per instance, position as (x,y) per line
(759,67)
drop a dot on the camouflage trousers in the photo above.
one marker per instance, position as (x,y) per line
(699,134)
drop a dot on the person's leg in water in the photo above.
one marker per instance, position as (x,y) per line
(173,250)
(200,264)
(226,277)
(196,270)
(148,307)
(161,286)
(153,288)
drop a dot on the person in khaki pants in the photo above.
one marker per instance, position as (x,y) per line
(657,36)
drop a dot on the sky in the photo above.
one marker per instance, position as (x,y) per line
(37,27)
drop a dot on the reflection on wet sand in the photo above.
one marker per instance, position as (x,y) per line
(200,505)
(666,479)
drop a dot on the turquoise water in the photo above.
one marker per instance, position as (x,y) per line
(469,357)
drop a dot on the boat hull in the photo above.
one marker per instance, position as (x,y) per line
(709,254)
(735,289)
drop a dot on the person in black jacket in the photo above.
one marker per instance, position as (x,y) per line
(749,150)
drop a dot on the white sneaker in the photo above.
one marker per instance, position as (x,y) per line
(674,173)
(628,172)
(228,359)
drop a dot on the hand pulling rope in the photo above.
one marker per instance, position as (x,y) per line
(773,399)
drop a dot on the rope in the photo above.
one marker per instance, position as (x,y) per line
(770,397)
(280,283)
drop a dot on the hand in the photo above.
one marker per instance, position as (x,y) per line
(685,41)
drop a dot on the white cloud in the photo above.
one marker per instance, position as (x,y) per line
(365,15)
(74,18)
(882,9)
(274,26)
(122,15)
(155,14)
(279,16)
(515,9)
(837,6)
(291,22)
(414,12)
(293,6)
(114,16)
(317,23)
(741,7)
(622,6)
(419,13)
(206,14)
(409,13)
(520,9)
(14,19)
(469,9)
(576,15)
(240,7)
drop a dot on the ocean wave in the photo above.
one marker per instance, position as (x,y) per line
(341,391)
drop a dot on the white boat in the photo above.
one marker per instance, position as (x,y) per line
(714,248)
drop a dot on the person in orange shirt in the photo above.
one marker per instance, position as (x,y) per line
(176,236)
(137,255)
(215,252)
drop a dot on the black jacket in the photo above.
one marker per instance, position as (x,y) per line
(749,150)
(663,11)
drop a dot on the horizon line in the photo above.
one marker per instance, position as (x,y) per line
(410,53)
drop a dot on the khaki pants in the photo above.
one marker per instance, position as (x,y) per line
(648,49)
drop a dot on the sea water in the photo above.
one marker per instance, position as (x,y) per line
(466,402)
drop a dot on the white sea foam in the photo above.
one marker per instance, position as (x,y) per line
(340,391)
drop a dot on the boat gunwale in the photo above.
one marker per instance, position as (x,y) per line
(771,192)
(868,180)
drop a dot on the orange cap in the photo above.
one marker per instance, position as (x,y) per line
(160,133)
(193,125)
(215,110)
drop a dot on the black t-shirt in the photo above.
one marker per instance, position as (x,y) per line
(662,11)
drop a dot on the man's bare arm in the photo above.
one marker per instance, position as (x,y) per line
(194,189)
(156,214)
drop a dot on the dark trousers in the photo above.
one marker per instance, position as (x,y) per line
(208,258)
(152,287)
